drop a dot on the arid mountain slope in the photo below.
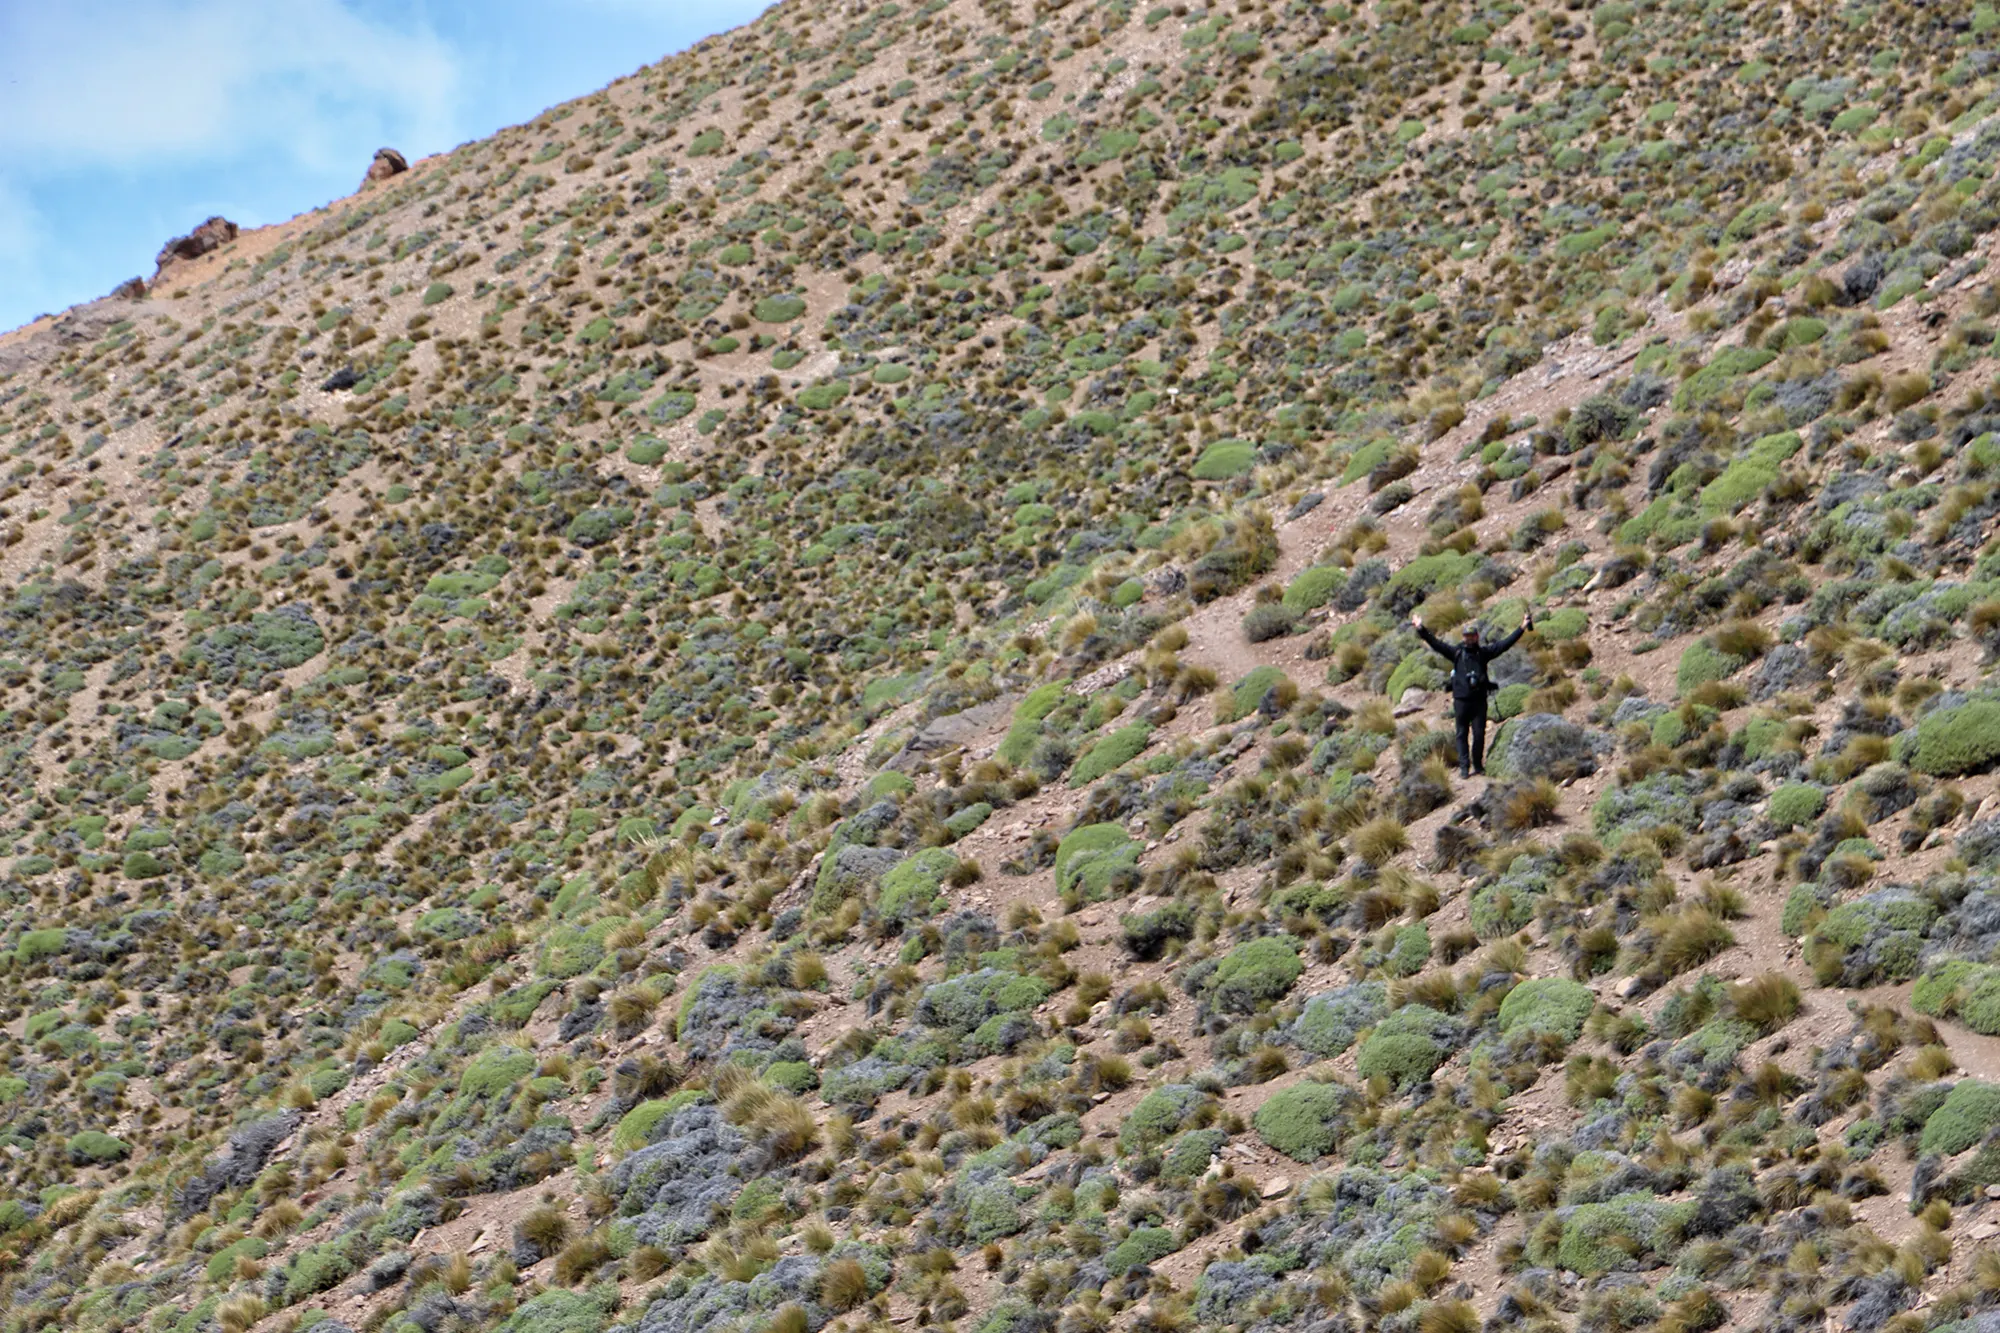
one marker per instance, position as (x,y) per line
(783,700)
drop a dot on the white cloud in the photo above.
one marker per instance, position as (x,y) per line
(142,84)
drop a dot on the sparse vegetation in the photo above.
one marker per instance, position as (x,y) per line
(640,683)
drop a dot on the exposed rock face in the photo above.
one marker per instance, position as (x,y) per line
(80,324)
(388,162)
(210,235)
(132,289)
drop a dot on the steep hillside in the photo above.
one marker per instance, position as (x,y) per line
(784,700)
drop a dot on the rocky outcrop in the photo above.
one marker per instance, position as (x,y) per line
(210,235)
(388,162)
(80,324)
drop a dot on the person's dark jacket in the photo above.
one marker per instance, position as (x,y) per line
(1469,679)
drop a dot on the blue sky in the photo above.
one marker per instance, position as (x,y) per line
(126,122)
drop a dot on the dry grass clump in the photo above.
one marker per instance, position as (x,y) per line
(1530,805)
(1676,941)
(1906,390)
(843,1285)
(545,1227)
(632,1008)
(581,1257)
(1767,1002)
(1449,1317)
(1380,840)
(239,1313)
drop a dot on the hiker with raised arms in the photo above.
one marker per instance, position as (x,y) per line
(1470,684)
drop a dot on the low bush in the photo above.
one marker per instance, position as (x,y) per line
(1597,1237)
(1554,1005)
(1254,974)
(1147,933)
(1249,694)
(1314,587)
(1163,1113)
(1143,1246)
(1269,620)
(1403,1058)
(1405,1047)
(1702,662)
(1087,857)
(1225,459)
(1330,1021)
(635,1127)
(1794,804)
(1970,1111)
(95,1147)
(1948,742)
(1110,752)
(910,889)
(1302,1122)
(1745,478)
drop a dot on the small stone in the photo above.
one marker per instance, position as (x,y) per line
(1414,700)
(1986,1231)
(1275,1188)
(1993,1191)
(1629,987)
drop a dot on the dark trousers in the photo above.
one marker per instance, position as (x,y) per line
(1470,715)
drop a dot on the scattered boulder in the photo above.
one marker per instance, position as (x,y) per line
(210,235)
(674,1188)
(1547,745)
(1787,667)
(132,289)
(1862,278)
(388,162)
(1166,581)
(953,730)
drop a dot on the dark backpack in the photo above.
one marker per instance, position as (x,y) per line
(1469,667)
